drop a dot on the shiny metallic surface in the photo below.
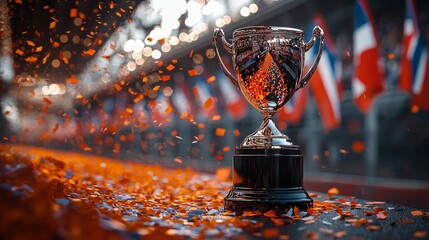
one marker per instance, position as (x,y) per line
(269,63)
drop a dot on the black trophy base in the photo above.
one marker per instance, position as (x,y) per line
(265,179)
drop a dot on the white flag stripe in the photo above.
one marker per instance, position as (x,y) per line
(230,95)
(328,78)
(363,39)
(413,46)
(180,101)
(420,75)
(408,26)
(358,88)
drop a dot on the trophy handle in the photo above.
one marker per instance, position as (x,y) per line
(218,33)
(317,33)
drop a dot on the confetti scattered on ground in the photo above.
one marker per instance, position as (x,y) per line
(71,195)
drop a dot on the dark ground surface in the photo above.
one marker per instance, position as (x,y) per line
(50,194)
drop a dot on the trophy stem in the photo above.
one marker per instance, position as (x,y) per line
(267,135)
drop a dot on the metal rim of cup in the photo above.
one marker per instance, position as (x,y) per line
(258,30)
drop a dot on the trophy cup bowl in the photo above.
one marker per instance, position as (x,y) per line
(269,63)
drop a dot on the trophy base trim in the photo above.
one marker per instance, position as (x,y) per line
(279,200)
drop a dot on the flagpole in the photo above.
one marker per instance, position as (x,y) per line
(371,139)
(313,133)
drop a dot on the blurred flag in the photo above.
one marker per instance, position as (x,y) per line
(294,109)
(181,100)
(235,103)
(140,113)
(205,99)
(117,118)
(368,79)
(323,84)
(160,109)
(414,65)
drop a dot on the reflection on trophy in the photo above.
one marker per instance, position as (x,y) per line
(267,166)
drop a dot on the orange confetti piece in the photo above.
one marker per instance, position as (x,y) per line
(19,52)
(159,63)
(211,79)
(415,109)
(374,203)
(209,102)
(333,191)
(165,78)
(73,12)
(89,52)
(55,44)
(31,43)
(361,222)
(416,213)
(81,15)
(116,148)
(31,59)
(72,80)
(278,222)
(138,98)
(55,128)
(407,221)
(220,132)
(270,213)
(373,227)
(226,149)
(178,160)
(339,210)
(169,109)
(222,174)
(381,216)
(216,117)
(129,110)
(296,211)
(85,147)
(117,87)
(420,234)
(236,132)
(156,88)
(358,146)
(191,53)
(39,49)
(45,59)
(47,101)
(52,24)
(192,72)
(340,234)
(170,67)
(251,213)
(271,233)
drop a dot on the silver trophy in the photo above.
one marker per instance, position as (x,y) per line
(269,63)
